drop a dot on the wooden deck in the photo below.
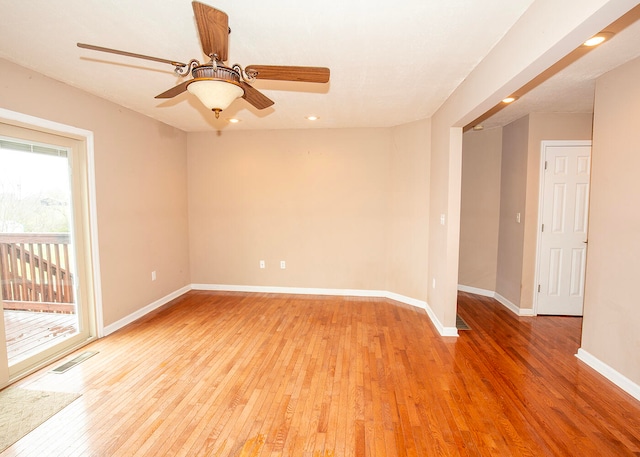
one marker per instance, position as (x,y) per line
(30,332)
(34,267)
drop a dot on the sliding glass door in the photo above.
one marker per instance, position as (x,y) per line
(43,252)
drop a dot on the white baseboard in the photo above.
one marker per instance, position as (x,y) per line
(142,311)
(476,291)
(612,375)
(512,307)
(490,293)
(444,331)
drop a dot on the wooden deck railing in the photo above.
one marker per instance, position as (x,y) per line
(34,272)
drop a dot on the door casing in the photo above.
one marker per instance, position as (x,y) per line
(543,147)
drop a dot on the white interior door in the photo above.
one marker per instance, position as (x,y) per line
(563,237)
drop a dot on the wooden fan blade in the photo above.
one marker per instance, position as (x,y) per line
(255,97)
(175,63)
(213,27)
(177,90)
(286,73)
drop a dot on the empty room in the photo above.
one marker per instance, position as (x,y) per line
(325,229)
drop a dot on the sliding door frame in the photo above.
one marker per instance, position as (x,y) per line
(87,238)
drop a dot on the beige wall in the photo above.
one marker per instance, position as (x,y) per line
(480,208)
(316,199)
(543,126)
(140,184)
(343,208)
(512,201)
(520,194)
(409,210)
(444,222)
(612,311)
(513,190)
(546,32)
(514,61)
(321,200)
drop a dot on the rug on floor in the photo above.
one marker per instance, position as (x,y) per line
(22,410)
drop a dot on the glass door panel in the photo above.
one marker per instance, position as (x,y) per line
(39,283)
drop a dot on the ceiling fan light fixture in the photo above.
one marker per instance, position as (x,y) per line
(215,84)
(215,94)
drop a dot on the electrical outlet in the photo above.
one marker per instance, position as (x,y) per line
(433,283)
(518,218)
(442,218)
(153,275)
(262,264)
(283,265)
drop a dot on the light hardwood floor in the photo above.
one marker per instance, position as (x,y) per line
(219,374)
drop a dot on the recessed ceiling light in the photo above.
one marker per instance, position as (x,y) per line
(233,120)
(595,41)
(509,100)
(598,39)
(312,118)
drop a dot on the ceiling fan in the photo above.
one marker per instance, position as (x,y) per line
(215,84)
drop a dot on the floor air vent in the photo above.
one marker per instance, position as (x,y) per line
(461,324)
(73,362)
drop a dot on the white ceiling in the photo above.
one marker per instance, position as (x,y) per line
(391,62)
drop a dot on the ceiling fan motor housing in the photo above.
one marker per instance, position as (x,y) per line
(219,72)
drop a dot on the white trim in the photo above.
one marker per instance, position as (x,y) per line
(87,137)
(143,311)
(444,331)
(541,182)
(612,375)
(404,299)
(512,307)
(503,301)
(476,291)
(93,234)
(526,312)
